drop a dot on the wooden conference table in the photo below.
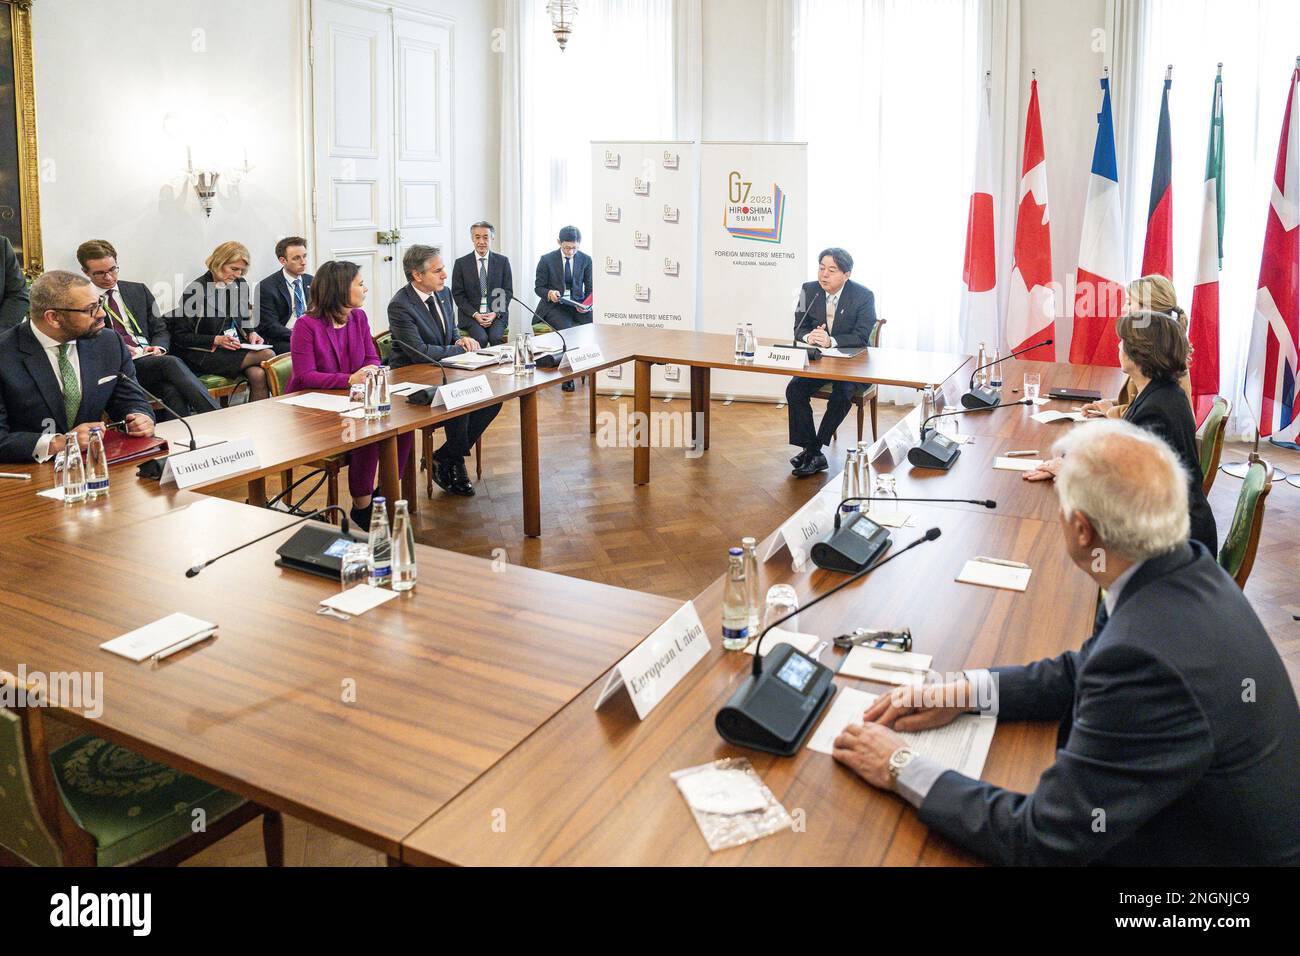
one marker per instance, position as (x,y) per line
(386,728)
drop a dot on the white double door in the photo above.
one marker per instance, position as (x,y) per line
(381,118)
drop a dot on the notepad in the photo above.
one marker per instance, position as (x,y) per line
(145,642)
(890,519)
(861,662)
(778,636)
(962,745)
(990,575)
(359,599)
(328,403)
(1016,464)
(1046,418)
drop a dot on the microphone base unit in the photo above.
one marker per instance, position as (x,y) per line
(152,469)
(982,396)
(422,396)
(318,549)
(858,542)
(936,451)
(776,711)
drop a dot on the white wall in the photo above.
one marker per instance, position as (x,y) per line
(108,75)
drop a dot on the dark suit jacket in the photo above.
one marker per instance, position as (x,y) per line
(145,309)
(274,308)
(855,314)
(1178,722)
(1163,410)
(415,333)
(550,276)
(31,401)
(205,311)
(13,287)
(468,296)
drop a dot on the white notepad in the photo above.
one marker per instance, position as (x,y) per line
(1046,418)
(145,642)
(777,636)
(404,388)
(962,745)
(1016,464)
(861,662)
(328,403)
(890,519)
(359,599)
(991,575)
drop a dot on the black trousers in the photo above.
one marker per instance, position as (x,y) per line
(798,397)
(565,317)
(171,380)
(462,433)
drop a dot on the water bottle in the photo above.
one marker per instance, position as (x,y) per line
(530,363)
(865,475)
(403,548)
(74,470)
(849,480)
(96,464)
(740,342)
(751,344)
(383,397)
(981,358)
(381,545)
(995,373)
(735,613)
(371,405)
(928,407)
(750,547)
(520,363)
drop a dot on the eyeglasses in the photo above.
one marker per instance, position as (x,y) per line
(90,310)
(104,273)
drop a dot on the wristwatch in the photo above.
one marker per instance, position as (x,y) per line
(899,759)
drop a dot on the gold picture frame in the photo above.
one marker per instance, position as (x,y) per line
(20,171)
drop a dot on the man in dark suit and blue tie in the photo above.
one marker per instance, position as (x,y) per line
(422,321)
(59,374)
(283,295)
(833,312)
(1179,731)
(563,285)
(482,287)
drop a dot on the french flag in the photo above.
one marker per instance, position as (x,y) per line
(1099,290)
(1158,254)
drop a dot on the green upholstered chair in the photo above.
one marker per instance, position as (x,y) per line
(93,803)
(1237,556)
(1211,441)
(221,388)
(278,372)
(863,393)
(384,345)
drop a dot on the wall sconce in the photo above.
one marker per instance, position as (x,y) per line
(205,181)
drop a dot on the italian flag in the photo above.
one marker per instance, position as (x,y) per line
(1204,330)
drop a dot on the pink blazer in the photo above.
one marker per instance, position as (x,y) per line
(324,357)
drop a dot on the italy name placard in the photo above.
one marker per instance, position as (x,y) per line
(656,665)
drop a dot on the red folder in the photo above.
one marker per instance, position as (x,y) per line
(120,447)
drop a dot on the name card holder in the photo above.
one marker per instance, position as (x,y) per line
(456,395)
(190,468)
(654,667)
(781,356)
(581,358)
(807,526)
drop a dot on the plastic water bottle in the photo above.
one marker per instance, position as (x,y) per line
(384,398)
(981,359)
(735,612)
(403,548)
(530,363)
(371,404)
(74,470)
(96,464)
(849,481)
(750,547)
(995,373)
(740,342)
(751,344)
(381,546)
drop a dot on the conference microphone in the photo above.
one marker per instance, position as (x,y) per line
(986,396)
(814,353)
(855,540)
(985,502)
(544,361)
(424,395)
(940,451)
(775,709)
(343,525)
(153,468)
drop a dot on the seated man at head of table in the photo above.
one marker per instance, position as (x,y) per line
(422,320)
(833,312)
(131,312)
(482,287)
(59,374)
(564,277)
(1179,731)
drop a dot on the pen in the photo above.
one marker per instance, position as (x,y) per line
(900,667)
(181,645)
(1024,453)
(1000,561)
(16,476)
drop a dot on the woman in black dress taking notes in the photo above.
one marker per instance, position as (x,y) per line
(213,325)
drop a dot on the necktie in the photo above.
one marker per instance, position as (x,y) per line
(436,311)
(832,303)
(299,303)
(482,284)
(568,277)
(71,386)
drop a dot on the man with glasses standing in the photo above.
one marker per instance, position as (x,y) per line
(59,375)
(131,312)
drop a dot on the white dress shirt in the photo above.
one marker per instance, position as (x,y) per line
(481,262)
(51,347)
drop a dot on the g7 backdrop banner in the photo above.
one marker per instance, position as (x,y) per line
(753,248)
(643,245)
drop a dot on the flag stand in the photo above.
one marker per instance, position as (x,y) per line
(1238,469)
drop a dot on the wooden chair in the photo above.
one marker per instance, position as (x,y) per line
(1211,441)
(93,803)
(861,395)
(278,371)
(1237,556)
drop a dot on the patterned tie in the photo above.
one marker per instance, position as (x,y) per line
(71,386)
(482,284)
(299,303)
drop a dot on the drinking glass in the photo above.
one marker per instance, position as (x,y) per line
(781,600)
(354,567)
(1032,382)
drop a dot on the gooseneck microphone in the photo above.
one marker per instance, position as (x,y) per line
(343,525)
(986,502)
(963,411)
(544,361)
(122,376)
(986,396)
(421,358)
(940,451)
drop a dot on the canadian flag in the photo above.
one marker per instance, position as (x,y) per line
(1099,292)
(979,306)
(1031,300)
(1204,331)
(1271,365)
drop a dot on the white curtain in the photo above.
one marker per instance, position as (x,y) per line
(1256,42)
(614,81)
(886,93)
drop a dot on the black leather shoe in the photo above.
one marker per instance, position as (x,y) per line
(443,475)
(811,465)
(460,483)
(567,386)
(361,516)
(795,461)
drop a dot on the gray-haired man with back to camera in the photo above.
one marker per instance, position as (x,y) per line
(1179,731)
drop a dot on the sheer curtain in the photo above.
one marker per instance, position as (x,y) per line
(1255,41)
(886,93)
(614,81)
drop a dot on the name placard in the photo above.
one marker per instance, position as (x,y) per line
(583,357)
(465,392)
(808,525)
(781,356)
(191,468)
(656,665)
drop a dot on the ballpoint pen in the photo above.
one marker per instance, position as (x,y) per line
(15,475)
(1024,453)
(900,667)
(181,645)
(1000,561)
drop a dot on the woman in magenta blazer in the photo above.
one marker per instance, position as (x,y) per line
(331,347)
